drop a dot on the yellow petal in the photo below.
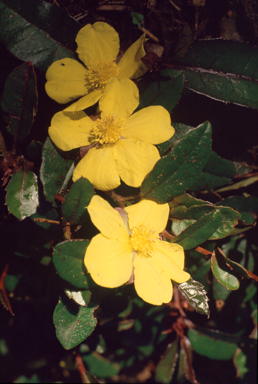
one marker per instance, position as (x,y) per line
(120,98)
(152,285)
(66,80)
(108,261)
(131,64)
(150,213)
(100,168)
(170,257)
(135,159)
(151,124)
(107,219)
(85,101)
(97,42)
(70,130)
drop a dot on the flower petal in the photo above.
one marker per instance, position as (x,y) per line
(97,42)
(135,159)
(170,257)
(85,101)
(151,124)
(152,285)
(70,130)
(131,65)
(108,261)
(120,98)
(66,80)
(99,167)
(150,213)
(107,219)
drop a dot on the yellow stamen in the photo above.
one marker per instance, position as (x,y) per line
(107,130)
(100,73)
(143,239)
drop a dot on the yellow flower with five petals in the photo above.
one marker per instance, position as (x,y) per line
(129,243)
(98,47)
(121,143)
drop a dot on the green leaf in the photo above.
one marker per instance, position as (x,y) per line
(37,31)
(100,366)
(217,172)
(166,366)
(55,171)
(211,347)
(78,198)
(22,194)
(223,70)
(241,363)
(182,217)
(80,297)
(180,131)
(239,184)
(223,272)
(164,89)
(187,200)
(68,260)
(20,100)
(200,231)
(195,295)
(73,323)
(177,171)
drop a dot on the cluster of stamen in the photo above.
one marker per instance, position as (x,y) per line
(143,239)
(107,130)
(101,72)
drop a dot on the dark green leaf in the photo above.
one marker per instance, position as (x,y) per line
(177,171)
(223,272)
(77,199)
(100,366)
(240,363)
(182,217)
(22,194)
(229,265)
(187,200)
(180,131)
(55,171)
(37,31)
(222,69)
(68,261)
(211,346)
(163,89)
(195,295)
(217,172)
(166,366)
(73,323)
(245,205)
(20,100)
(200,231)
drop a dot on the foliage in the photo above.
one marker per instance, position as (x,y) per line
(66,327)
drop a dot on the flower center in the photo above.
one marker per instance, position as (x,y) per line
(101,72)
(143,239)
(107,130)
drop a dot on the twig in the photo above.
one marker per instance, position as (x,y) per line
(174,5)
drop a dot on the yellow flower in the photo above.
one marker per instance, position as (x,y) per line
(130,243)
(98,47)
(121,143)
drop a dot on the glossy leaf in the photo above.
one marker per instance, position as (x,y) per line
(20,100)
(68,261)
(223,273)
(76,201)
(100,366)
(211,347)
(164,89)
(196,296)
(55,171)
(222,69)
(187,200)
(240,184)
(177,171)
(80,297)
(217,172)
(180,131)
(200,231)
(166,366)
(37,31)
(22,194)
(183,217)
(73,323)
